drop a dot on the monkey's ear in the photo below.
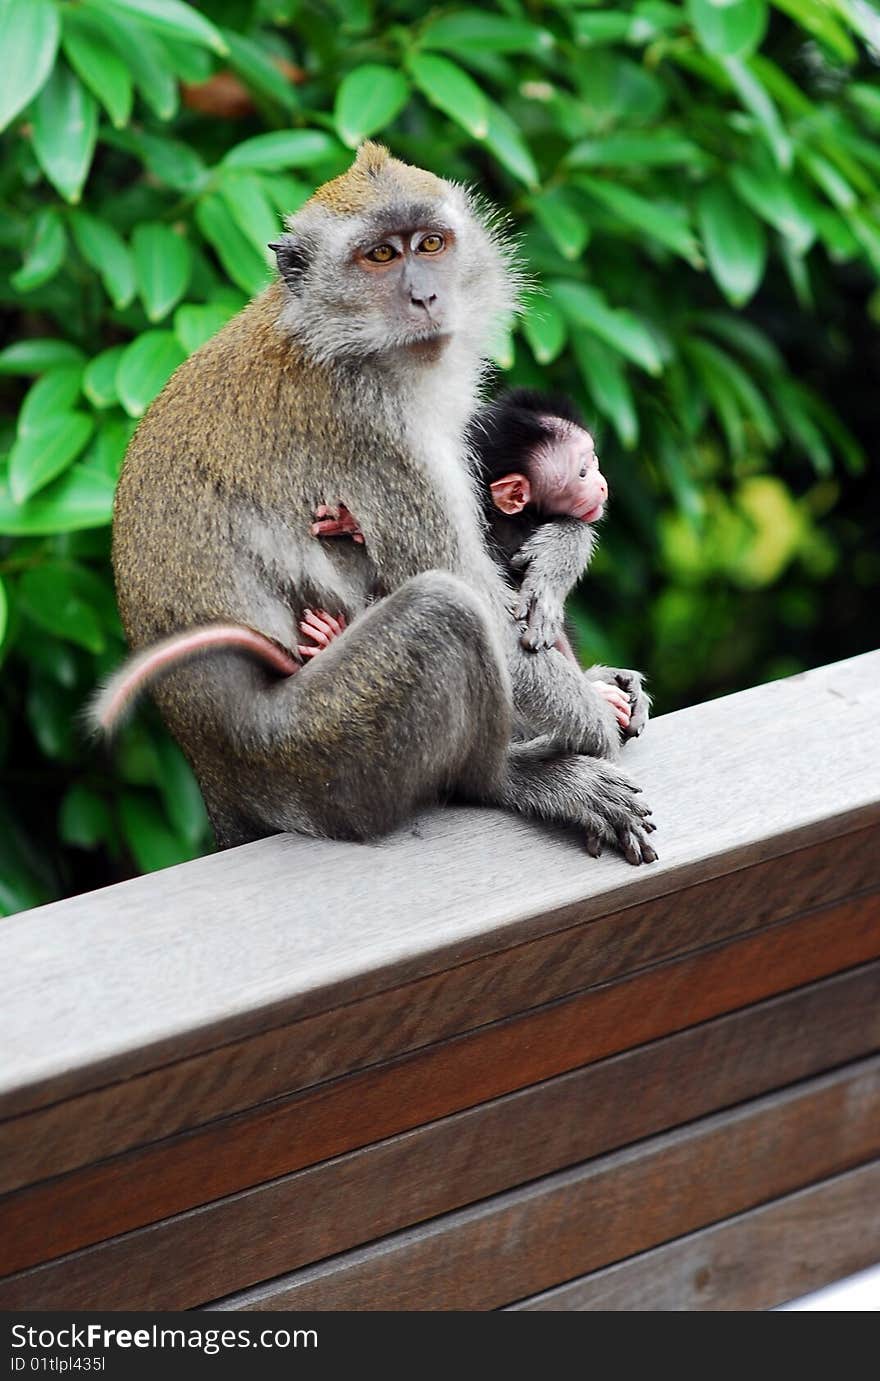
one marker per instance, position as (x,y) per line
(511,493)
(292,260)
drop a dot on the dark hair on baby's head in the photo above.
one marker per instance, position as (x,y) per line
(506,431)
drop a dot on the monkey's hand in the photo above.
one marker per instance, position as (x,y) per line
(542,615)
(552,559)
(322,628)
(630,684)
(617,699)
(336,521)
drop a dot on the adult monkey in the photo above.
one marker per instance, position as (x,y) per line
(352,380)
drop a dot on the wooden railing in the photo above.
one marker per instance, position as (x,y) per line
(471,1067)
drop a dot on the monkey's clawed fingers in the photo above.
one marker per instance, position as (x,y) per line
(617,699)
(322,628)
(336,521)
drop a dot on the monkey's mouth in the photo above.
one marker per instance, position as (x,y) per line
(593,514)
(428,342)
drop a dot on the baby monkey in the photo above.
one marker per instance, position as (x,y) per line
(542,490)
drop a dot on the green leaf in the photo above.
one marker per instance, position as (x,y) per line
(29,33)
(736,246)
(681,484)
(45,254)
(467,30)
(249,205)
(56,391)
(82,498)
(99,379)
(659,221)
(507,144)
(604,375)
(180,793)
(257,70)
(4,612)
(99,67)
(826,176)
(602,26)
(194,325)
(84,818)
(795,406)
(545,330)
(866,98)
(65,128)
(710,365)
(49,595)
(729,28)
(171,17)
(755,98)
(294,148)
(368,99)
(817,17)
(40,454)
(244,264)
(141,51)
(781,201)
(105,250)
(632,148)
(37,355)
(744,337)
(451,90)
(107,451)
(145,367)
(622,329)
(162,263)
(176,164)
(147,834)
(564,222)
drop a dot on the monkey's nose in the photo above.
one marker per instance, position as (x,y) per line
(427,301)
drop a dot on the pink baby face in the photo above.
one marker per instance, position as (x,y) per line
(564,477)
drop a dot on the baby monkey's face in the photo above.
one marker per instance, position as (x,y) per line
(565,473)
(561,476)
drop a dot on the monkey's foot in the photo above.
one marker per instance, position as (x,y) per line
(617,699)
(322,628)
(336,521)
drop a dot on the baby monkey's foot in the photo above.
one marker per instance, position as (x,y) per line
(322,628)
(336,521)
(617,699)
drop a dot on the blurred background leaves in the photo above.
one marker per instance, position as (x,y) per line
(695,187)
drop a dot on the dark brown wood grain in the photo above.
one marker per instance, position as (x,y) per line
(755,1261)
(579,954)
(582,1219)
(471,1155)
(143,1186)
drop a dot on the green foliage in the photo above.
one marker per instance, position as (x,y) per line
(695,187)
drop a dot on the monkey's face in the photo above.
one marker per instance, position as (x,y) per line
(565,474)
(390,259)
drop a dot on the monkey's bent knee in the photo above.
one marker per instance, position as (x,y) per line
(443,602)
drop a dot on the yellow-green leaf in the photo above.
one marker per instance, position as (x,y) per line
(162,264)
(145,367)
(42,453)
(368,99)
(451,90)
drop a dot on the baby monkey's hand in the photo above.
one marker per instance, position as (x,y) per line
(322,628)
(617,699)
(336,521)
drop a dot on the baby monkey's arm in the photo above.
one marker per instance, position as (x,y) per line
(552,560)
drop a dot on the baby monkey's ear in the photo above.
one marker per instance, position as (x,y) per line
(511,493)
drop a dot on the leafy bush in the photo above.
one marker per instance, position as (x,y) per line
(696,190)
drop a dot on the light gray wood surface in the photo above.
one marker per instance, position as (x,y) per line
(165,966)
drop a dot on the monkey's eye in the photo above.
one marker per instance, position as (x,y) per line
(431,244)
(381,254)
(583,472)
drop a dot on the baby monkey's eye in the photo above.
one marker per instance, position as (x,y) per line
(583,472)
(381,254)
(431,244)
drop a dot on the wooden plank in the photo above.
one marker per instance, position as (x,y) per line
(143,1186)
(234,945)
(756,1261)
(529,1239)
(436,1168)
(189,1093)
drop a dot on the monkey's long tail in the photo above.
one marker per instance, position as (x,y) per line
(110,703)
